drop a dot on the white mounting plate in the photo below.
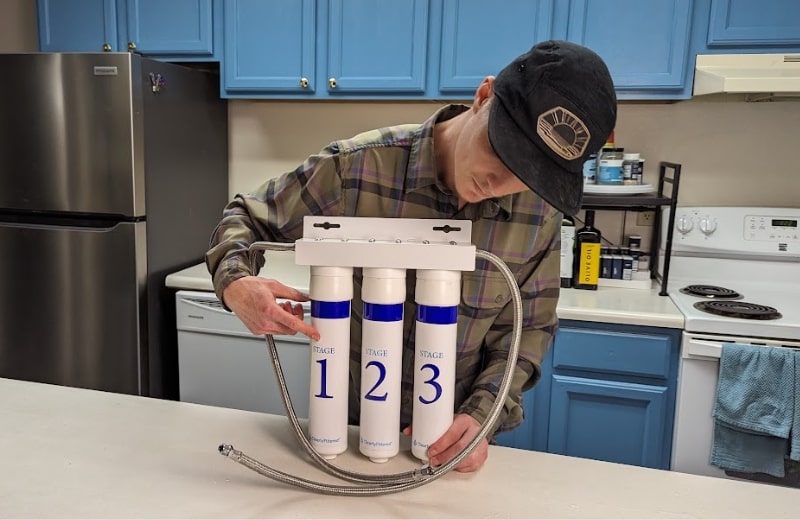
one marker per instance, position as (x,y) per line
(399,243)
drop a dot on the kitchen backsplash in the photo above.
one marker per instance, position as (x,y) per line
(733,152)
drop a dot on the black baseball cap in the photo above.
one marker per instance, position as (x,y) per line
(553,107)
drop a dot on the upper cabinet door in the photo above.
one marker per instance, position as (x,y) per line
(480,38)
(77,25)
(376,46)
(176,27)
(644,44)
(269,46)
(742,23)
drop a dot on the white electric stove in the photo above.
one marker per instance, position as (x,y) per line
(735,276)
(736,271)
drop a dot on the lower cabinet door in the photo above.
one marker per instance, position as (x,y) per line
(522,437)
(532,433)
(608,420)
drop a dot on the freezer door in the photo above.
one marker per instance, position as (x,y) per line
(71,305)
(67,127)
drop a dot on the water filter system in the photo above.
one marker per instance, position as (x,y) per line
(439,250)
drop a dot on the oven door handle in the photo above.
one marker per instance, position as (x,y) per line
(702,349)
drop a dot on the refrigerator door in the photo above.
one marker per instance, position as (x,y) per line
(67,128)
(72,304)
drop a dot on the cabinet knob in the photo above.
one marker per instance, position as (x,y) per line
(106,47)
(304,82)
(332,82)
(131,46)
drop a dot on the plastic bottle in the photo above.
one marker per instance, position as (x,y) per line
(605,263)
(567,251)
(587,254)
(616,264)
(630,167)
(610,141)
(609,166)
(590,170)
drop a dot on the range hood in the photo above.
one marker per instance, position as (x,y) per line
(770,74)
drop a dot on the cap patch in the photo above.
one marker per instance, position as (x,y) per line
(563,132)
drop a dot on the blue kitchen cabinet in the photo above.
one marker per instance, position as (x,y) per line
(178,29)
(326,49)
(173,28)
(377,46)
(646,45)
(270,47)
(477,42)
(613,393)
(753,25)
(77,25)
(532,433)
(607,393)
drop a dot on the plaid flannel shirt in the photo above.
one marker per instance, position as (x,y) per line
(391,172)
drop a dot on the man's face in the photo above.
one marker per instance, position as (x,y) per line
(479,172)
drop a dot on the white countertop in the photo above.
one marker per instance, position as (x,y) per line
(280,266)
(73,453)
(606,304)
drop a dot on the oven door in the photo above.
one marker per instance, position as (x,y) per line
(697,391)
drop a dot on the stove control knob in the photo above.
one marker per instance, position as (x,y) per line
(708,225)
(684,224)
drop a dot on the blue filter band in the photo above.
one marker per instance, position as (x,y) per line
(437,315)
(383,312)
(330,310)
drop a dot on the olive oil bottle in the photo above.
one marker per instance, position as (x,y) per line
(587,254)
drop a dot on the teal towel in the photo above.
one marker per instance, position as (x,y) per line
(794,454)
(755,409)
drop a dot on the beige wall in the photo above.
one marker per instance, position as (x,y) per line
(732,151)
(18,31)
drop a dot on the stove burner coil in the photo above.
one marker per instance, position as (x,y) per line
(738,309)
(711,291)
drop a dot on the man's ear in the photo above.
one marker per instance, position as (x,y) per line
(484,92)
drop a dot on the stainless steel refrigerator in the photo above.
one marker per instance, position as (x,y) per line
(113,173)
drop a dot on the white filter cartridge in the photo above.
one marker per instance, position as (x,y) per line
(383,294)
(331,291)
(437,296)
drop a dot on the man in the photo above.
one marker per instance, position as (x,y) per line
(511,162)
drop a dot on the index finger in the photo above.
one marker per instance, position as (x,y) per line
(297,324)
(280,290)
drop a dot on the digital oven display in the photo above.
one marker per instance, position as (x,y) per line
(784,223)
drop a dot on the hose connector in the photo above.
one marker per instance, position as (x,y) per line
(422,473)
(226,450)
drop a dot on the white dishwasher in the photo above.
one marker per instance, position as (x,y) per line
(220,363)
